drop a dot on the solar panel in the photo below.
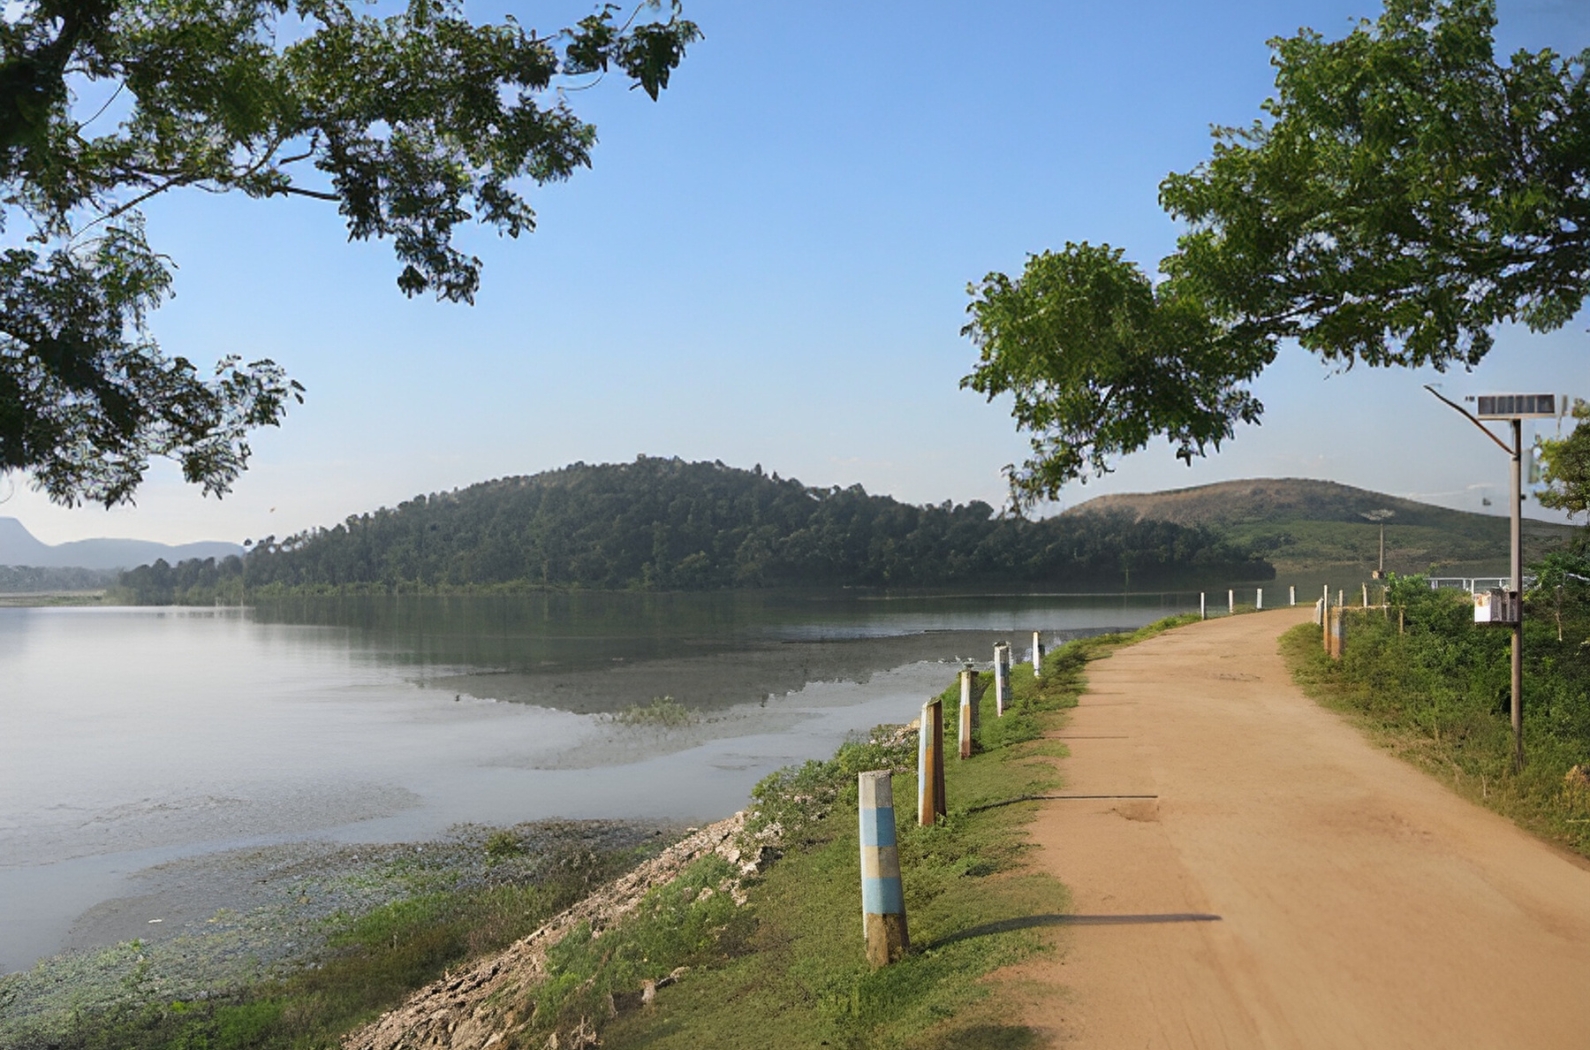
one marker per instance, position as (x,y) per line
(1516,406)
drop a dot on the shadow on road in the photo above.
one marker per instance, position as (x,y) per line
(1028,922)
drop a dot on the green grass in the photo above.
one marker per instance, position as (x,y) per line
(790,969)
(1439,694)
(374,961)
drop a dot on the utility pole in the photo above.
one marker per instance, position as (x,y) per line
(1513,409)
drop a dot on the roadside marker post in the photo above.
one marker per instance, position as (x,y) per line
(1203,608)
(1336,633)
(1037,654)
(1293,593)
(968,687)
(966,714)
(930,802)
(1001,678)
(882,895)
(1366,595)
(1231,603)
(1258,601)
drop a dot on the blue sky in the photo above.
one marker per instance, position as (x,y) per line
(770,265)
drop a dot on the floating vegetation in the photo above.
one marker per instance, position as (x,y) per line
(663,711)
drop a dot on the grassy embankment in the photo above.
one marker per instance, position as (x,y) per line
(788,969)
(1438,695)
(218,990)
(782,966)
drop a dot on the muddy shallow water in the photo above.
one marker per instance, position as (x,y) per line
(136,738)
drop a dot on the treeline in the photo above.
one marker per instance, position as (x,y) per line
(663,524)
(34,579)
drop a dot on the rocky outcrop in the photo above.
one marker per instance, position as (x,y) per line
(482,1006)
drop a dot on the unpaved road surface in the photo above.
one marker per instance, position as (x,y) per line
(1292,885)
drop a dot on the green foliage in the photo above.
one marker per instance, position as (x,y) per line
(662,524)
(1565,467)
(411,124)
(1405,193)
(1439,693)
(31,579)
(1098,360)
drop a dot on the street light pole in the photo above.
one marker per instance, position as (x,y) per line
(1516,498)
(1512,409)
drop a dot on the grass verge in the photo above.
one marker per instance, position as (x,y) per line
(787,969)
(1437,693)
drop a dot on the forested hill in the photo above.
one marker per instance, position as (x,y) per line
(663,524)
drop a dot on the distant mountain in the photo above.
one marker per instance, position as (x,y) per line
(1303,521)
(18,546)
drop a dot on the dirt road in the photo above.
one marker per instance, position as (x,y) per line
(1291,886)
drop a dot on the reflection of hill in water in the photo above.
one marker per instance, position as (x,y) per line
(603,651)
(719,680)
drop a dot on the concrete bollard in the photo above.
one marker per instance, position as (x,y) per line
(882,896)
(1001,678)
(1292,592)
(1203,608)
(968,688)
(1366,595)
(1258,601)
(1319,613)
(1037,654)
(1231,603)
(966,720)
(930,803)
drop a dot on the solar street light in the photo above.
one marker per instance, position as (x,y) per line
(1506,607)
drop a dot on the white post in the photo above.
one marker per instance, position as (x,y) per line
(1001,678)
(1203,609)
(1293,593)
(1258,602)
(1231,603)
(1037,654)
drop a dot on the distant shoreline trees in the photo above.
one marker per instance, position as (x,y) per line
(667,525)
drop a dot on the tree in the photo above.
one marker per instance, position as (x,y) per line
(1565,467)
(411,124)
(1404,194)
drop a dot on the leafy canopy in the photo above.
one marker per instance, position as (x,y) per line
(1565,467)
(1405,193)
(412,124)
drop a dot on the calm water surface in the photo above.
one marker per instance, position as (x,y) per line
(134,736)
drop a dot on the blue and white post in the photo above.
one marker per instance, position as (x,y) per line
(882,896)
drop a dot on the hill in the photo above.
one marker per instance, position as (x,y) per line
(1301,523)
(20,547)
(664,524)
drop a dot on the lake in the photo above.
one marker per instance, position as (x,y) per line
(131,737)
